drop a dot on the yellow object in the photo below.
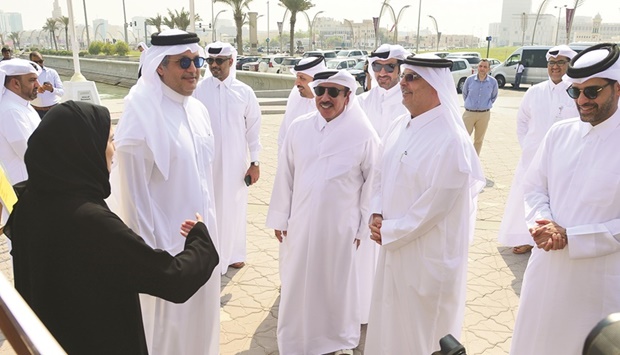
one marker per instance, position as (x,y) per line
(7,194)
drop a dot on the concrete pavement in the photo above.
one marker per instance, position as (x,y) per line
(249,297)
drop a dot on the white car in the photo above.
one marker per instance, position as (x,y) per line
(287,65)
(271,63)
(352,53)
(341,63)
(460,71)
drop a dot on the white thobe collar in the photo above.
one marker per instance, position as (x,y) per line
(604,129)
(173,95)
(421,120)
(383,93)
(13,97)
(227,82)
(562,85)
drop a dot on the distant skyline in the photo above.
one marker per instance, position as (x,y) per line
(453,16)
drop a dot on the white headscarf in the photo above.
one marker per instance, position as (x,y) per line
(385,52)
(316,65)
(16,66)
(221,49)
(143,103)
(344,78)
(599,61)
(441,80)
(562,50)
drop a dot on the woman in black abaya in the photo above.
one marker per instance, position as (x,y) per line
(77,265)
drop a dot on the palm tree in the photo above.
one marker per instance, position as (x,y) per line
(171,19)
(14,36)
(295,6)
(180,20)
(50,27)
(238,15)
(156,21)
(64,21)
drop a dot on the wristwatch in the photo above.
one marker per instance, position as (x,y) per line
(255,163)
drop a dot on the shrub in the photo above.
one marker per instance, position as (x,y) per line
(96,47)
(109,49)
(121,48)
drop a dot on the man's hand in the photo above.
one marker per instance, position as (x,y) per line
(254,173)
(188,224)
(279,234)
(549,235)
(376,222)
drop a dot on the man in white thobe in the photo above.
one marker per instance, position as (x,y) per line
(423,216)
(162,176)
(319,211)
(301,99)
(51,89)
(17,117)
(542,105)
(572,194)
(235,118)
(382,105)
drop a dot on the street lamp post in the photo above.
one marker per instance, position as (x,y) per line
(312,42)
(541,8)
(557,30)
(436,30)
(400,13)
(417,40)
(214,23)
(192,16)
(125,21)
(86,25)
(352,32)
(268,39)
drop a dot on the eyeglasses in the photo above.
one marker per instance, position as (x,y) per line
(389,68)
(556,62)
(409,77)
(218,60)
(591,92)
(333,92)
(185,62)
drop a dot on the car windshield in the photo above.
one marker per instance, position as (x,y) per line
(360,65)
(473,60)
(290,61)
(343,53)
(333,64)
(329,54)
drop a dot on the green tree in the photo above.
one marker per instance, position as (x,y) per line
(121,48)
(170,20)
(238,7)
(15,37)
(50,27)
(64,22)
(295,6)
(95,47)
(181,19)
(156,21)
(109,49)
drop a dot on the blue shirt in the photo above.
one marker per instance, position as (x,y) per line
(479,95)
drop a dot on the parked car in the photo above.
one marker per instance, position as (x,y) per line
(359,74)
(464,54)
(288,64)
(472,60)
(243,60)
(493,62)
(327,54)
(460,71)
(439,54)
(351,53)
(341,63)
(271,63)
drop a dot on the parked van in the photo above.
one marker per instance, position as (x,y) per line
(535,62)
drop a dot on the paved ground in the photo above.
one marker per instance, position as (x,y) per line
(249,296)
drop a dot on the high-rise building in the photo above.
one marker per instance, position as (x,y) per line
(510,9)
(56,11)
(10,22)
(101,29)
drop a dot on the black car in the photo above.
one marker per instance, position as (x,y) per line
(242,60)
(359,73)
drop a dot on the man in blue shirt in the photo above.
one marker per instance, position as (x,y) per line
(479,91)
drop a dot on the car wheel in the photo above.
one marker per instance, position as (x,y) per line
(459,86)
(501,81)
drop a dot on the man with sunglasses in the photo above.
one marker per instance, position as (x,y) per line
(236,119)
(301,99)
(319,213)
(542,105)
(383,103)
(163,173)
(479,93)
(423,208)
(572,194)
(50,91)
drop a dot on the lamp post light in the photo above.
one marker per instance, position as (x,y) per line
(312,42)
(125,22)
(417,40)
(400,13)
(436,30)
(352,32)
(557,30)
(541,8)
(214,23)
(86,25)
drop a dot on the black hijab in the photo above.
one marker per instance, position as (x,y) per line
(66,153)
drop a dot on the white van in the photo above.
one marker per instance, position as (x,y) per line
(535,62)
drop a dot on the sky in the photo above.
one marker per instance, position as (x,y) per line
(453,16)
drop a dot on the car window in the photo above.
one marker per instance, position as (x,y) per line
(360,65)
(342,65)
(473,60)
(513,59)
(278,60)
(351,63)
(332,64)
(330,55)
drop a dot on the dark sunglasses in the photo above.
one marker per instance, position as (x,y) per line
(217,61)
(333,92)
(185,62)
(591,92)
(38,61)
(409,77)
(389,68)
